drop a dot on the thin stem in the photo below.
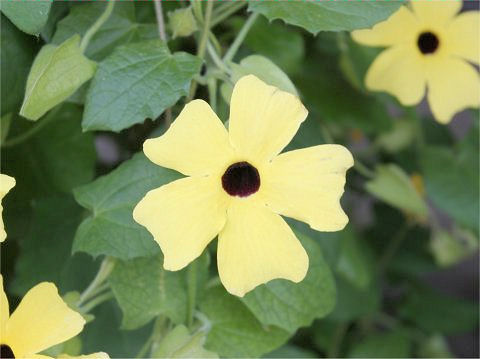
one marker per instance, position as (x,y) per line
(363,170)
(87,307)
(239,39)
(236,5)
(191,292)
(144,349)
(392,247)
(103,272)
(202,46)
(339,334)
(160,20)
(32,131)
(197,9)
(163,37)
(216,59)
(212,93)
(97,25)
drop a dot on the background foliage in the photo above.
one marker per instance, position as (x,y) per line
(412,197)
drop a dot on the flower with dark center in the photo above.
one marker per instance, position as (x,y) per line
(430,49)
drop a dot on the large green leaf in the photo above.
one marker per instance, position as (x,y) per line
(437,313)
(110,228)
(120,28)
(451,181)
(145,290)
(17,53)
(28,16)
(395,344)
(315,16)
(56,73)
(50,236)
(57,158)
(235,332)
(136,82)
(291,305)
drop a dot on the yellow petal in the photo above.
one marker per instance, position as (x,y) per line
(99,355)
(307,185)
(453,85)
(6,184)
(4,311)
(263,119)
(399,71)
(257,246)
(398,28)
(463,36)
(183,217)
(195,144)
(41,320)
(436,13)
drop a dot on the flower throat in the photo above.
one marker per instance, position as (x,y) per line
(427,42)
(241,179)
(6,352)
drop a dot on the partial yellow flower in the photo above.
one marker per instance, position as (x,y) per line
(6,184)
(429,47)
(238,186)
(41,320)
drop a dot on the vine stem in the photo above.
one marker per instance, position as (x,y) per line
(97,25)
(232,50)
(87,307)
(32,131)
(163,37)
(363,170)
(227,11)
(202,46)
(103,272)
(392,247)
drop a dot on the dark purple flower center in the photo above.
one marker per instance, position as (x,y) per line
(6,352)
(427,42)
(241,179)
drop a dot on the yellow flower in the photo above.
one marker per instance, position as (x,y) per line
(41,320)
(6,184)
(238,186)
(429,47)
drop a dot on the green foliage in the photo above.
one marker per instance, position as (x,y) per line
(288,305)
(324,16)
(21,47)
(116,99)
(235,332)
(28,16)
(182,22)
(394,344)
(56,74)
(110,228)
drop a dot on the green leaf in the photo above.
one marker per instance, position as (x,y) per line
(291,305)
(145,290)
(315,16)
(352,264)
(28,16)
(442,171)
(235,332)
(120,28)
(291,351)
(399,138)
(56,74)
(182,22)
(264,69)
(395,344)
(435,346)
(50,237)
(179,343)
(110,228)
(57,158)
(136,82)
(17,53)
(392,185)
(449,249)
(437,313)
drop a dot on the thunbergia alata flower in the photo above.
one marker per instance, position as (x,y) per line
(41,320)
(239,184)
(6,184)
(429,48)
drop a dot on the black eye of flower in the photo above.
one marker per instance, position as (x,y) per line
(241,179)
(427,42)
(6,352)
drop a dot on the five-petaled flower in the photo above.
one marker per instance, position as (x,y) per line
(239,185)
(6,184)
(41,320)
(429,47)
